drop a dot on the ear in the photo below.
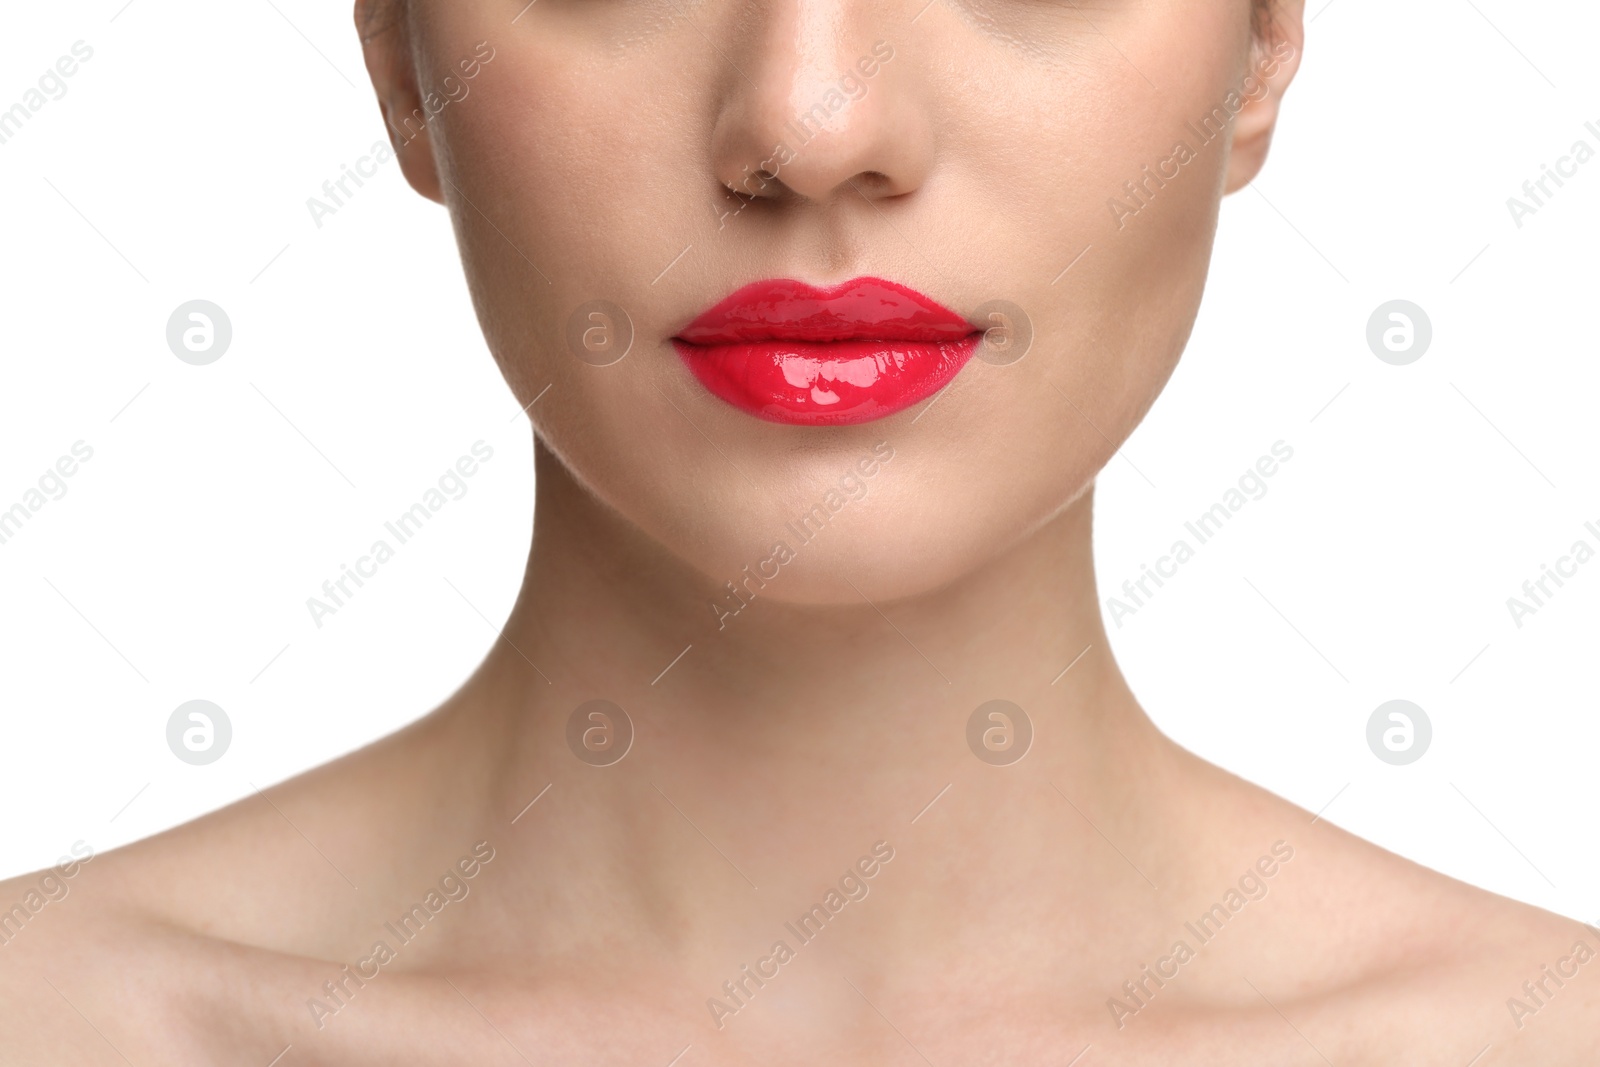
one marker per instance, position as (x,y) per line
(391,64)
(1274,59)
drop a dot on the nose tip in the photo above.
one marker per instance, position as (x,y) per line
(817,116)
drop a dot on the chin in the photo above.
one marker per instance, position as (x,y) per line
(915,530)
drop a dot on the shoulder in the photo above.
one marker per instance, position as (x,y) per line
(1385,960)
(115,954)
(204,943)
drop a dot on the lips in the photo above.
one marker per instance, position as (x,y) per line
(789,352)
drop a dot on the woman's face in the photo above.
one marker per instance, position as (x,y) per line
(1065,157)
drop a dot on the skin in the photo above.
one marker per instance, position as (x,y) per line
(824,717)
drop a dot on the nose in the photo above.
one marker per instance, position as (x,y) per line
(820,103)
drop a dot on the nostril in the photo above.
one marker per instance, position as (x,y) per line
(871,183)
(755,184)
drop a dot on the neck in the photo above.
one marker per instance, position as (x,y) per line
(777,749)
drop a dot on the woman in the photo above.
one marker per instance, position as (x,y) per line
(803,742)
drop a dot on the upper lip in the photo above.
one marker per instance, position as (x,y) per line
(861,309)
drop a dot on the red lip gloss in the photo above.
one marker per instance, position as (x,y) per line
(789,352)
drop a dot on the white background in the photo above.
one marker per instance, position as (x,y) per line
(219,498)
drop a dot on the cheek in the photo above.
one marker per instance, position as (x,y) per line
(569,196)
(566,194)
(1112,294)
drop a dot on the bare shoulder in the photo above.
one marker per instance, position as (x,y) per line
(92,977)
(202,944)
(1496,978)
(1373,958)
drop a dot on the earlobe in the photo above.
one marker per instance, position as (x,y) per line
(1274,60)
(386,47)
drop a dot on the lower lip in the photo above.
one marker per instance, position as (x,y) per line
(826,383)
